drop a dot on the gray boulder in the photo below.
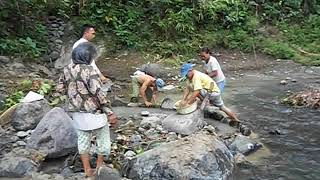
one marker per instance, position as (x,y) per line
(213,113)
(107,173)
(54,134)
(27,115)
(4,59)
(184,124)
(199,156)
(167,103)
(153,69)
(16,167)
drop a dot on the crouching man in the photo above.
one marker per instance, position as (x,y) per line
(201,85)
(141,83)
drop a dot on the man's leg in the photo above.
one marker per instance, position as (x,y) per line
(229,113)
(135,89)
(84,143)
(103,144)
(217,101)
(221,86)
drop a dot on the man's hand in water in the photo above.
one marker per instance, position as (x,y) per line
(148,104)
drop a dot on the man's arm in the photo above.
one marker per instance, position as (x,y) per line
(143,92)
(213,73)
(185,93)
(95,67)
(193,96)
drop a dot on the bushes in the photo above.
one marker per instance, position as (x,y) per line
(170,27)
(277,49)
(20,47)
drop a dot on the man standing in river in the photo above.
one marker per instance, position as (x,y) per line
(87,34)
(212,68)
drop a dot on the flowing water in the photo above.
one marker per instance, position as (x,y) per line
(295,153)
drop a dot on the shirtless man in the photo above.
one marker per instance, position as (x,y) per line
(140,83)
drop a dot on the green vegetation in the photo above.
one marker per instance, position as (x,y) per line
(20,89)
(173,29)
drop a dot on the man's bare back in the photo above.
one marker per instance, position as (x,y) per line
(145,78)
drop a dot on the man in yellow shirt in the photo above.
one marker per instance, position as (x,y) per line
(199,85)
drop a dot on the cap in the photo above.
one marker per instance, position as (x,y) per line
(159,83)
(185,68)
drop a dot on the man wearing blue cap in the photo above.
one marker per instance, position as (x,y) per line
(141,82)
(201,85)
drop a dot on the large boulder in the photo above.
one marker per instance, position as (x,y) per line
(184,124)
(199,156)
(54,134)
(153,69)
(213,113)
(15,167)
(20,163)
(27,115)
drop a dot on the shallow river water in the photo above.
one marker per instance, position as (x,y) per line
(295,153)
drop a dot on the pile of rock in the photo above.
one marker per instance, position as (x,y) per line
(55,27)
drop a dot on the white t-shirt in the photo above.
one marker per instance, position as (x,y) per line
(93,63)
(213,65)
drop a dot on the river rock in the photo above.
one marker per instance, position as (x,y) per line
(4,59)
(21,143)
(107,173)
(244,145)
(117,101)
(2,131)
(151,121)
(135,139)
(213,113)
(129,154)
(167,103)
(54,55)
(172,136)
(283,82)
(184,124)
(199,156)
(16,167)
(153,69)
(27,115)
(54,134)
(152,134)
(22,134)
(16,66)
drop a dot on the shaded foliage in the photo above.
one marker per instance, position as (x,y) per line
(170,27)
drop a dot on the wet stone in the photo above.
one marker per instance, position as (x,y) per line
(276,132)
(283,82)
(21,143)
(210,128)
(129,154)
(172,136)
(22,134)
(4,59)
(135,139)
(152,134)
